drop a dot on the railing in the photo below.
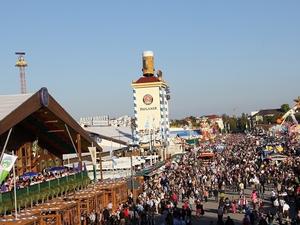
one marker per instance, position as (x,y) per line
(148,170)
(42,191)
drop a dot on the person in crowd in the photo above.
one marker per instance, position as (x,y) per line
(229,221)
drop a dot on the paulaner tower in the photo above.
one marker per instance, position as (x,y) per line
(151,111)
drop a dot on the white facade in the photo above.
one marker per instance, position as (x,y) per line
(151,112)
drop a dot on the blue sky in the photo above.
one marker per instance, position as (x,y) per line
(217,56)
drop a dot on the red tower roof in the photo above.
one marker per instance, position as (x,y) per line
(147,80)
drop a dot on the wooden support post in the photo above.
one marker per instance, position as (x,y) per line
(78,138)
(78,212)
(113,197)
(101,173)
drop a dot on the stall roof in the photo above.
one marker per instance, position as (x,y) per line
(121,135)
(40,117)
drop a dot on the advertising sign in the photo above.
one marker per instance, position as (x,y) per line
(93,152)
(6,165)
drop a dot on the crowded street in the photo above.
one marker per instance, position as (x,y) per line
(239,185)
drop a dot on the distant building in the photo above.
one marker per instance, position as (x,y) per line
(111,134)
(94,121)
(104,121)
(261,115)
(214,119)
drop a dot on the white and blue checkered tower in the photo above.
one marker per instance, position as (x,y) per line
(151,111)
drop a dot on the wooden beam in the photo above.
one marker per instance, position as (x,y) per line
(86,158)
(55,131)
(51,121)
(61,113)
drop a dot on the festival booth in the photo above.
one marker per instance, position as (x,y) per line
(56,212)
(114,192)
(277,157)
(98,196)
(59,212)
(23,219)
(87,201)
(137,185)
(119,192)
(206,155)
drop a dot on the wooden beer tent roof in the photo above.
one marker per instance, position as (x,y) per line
(40,117)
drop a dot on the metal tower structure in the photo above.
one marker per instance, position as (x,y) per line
(21,63)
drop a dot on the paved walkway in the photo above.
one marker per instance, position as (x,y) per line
(210,209)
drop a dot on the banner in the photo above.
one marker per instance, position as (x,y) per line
(114,162)
(6,165)
(93,152)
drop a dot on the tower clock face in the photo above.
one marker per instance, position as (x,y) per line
(148,99)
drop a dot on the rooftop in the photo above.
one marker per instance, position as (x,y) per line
(147,80)
(122,135)
(40,117)
(265,112)
(9,103)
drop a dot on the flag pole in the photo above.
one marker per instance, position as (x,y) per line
(93,152)
(94,165)
(15,189)
(5,144)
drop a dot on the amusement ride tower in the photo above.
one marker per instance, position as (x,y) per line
(21,63)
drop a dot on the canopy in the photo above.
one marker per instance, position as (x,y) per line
(277,157)
(56,169)
(206,155)
(29,175)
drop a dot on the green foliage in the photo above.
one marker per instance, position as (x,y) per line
(269,120)
(179,123)
(284,108)
(243,122)
(233,124)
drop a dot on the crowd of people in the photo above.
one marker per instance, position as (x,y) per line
(242,178)
(32,178)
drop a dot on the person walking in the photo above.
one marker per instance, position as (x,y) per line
(216,193)
(220,213)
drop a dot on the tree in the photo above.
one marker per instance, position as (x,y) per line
(178,123)
(233,124)
(269,120)
(225,119)
(284,108)
(243,122)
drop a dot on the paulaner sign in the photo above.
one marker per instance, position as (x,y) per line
(148,108)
